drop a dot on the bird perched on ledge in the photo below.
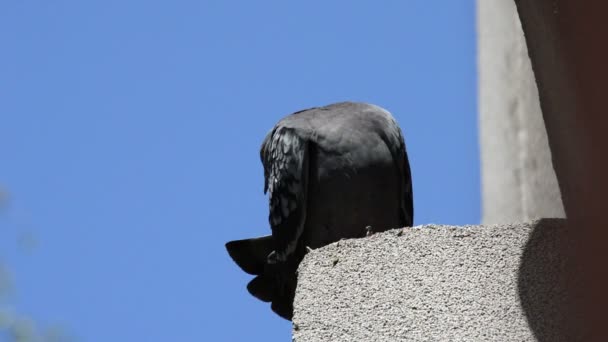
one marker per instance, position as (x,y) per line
(332,173)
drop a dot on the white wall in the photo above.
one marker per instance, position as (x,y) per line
(518,180)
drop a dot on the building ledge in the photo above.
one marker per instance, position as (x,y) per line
(434,282)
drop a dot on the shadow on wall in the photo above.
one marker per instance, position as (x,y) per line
(542,283)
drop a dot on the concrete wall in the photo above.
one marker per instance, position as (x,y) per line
(518,180)
(436,283)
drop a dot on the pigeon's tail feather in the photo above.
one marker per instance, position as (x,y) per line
(283,308)
(263,288)
(250,254)
(275,283)
(284,290)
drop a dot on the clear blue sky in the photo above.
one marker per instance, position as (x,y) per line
(129,139)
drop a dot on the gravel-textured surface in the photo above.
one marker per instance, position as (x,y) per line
(435,283)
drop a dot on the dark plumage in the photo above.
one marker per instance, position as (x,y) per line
(330,172)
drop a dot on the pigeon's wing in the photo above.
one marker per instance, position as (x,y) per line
(407,191)
(393,137)
(285,155)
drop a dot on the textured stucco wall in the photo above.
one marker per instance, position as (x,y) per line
(436,283)
(518,180)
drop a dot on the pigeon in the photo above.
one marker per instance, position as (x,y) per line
(335,172)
